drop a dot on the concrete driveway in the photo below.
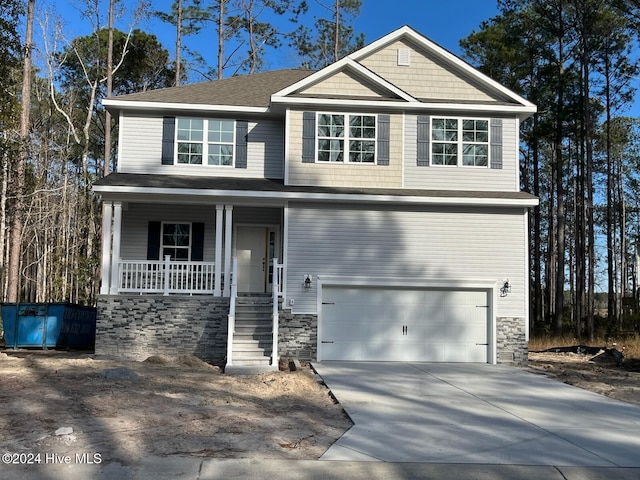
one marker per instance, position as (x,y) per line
(476,413)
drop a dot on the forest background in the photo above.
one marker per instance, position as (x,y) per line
(578,60)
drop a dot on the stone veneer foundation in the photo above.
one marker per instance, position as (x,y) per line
(138,326)
(511,341)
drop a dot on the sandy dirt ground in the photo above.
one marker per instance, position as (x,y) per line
(598,373)
(71,403)
(125,411)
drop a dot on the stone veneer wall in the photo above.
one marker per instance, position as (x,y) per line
(138,326)
(297,335)
(511,343)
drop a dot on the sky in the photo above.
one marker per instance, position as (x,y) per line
(443,21)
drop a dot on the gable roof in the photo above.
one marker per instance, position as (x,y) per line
(263,92)
(248,91)
(504,100)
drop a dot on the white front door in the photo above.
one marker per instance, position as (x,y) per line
(256,246)
(251,251)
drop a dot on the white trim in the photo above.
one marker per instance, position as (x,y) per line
(487,285)
(204,142)
(218,251)
(524,111)
(120,141)
(517,154)
(447,56)
(347,138)
(527,305)
(285,253)
(105,275)
(459,142)
(115,250)
(329,197)
(345,63)
(404,148)
(193,107)
(287,120)
(228,227)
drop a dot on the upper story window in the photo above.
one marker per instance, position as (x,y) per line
(346,138)
(176,240)
(460,142)
(205,141)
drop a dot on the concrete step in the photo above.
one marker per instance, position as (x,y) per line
(251,360)
(249,369)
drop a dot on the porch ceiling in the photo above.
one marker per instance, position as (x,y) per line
(117,185)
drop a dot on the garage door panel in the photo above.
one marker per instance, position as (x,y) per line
(386,324)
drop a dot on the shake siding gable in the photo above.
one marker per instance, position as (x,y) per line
(406,243)
(427,77)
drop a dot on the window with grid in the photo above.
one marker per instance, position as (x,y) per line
(216,147)
(176,241)
(460,142)
(346,138)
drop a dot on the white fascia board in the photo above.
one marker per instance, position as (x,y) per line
(417,282)
(444,54)
(338,66)
(320,197)
(380,105)
(192,107)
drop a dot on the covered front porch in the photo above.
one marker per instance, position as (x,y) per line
(169,249)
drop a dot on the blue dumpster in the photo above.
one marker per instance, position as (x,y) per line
(48,325)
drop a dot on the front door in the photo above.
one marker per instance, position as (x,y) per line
(251,251)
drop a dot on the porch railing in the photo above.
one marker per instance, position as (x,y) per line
(278,274)
(166,276)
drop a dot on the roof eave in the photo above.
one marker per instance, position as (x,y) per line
(117,105)
(322,197)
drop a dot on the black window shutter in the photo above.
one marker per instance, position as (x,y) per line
(383,139)
(168,138)
(242,132)
(496,143)
(153,241)
(197,242)
(423,141)
(308,137)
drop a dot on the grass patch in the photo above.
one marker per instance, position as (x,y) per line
(629,345)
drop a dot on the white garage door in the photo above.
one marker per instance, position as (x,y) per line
(422,325)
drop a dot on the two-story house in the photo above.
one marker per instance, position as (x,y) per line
(385,187)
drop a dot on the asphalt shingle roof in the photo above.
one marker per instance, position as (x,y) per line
(245,91)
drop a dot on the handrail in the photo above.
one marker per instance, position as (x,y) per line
(276,290)
(231,319)
(166,276)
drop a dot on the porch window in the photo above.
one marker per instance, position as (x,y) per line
(350,138)
(176,241)
(460,142)
(201,138)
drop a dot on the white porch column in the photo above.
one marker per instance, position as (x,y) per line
(107,210)
(217,281)
(115,251)
(227,249)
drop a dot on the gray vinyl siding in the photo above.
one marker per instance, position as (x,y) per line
(462,178)
(136,217)
(410,243)
(135,222)
(141,150)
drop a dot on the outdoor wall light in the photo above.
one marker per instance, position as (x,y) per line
(505,289)
(307,281)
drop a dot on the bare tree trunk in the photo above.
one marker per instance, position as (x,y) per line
(3,222)
(178,43)
(107,120)
(221,39)
(336,44)
(13,294)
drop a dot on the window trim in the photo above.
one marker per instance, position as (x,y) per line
(205,142)
(347,138)
(460,142)
(188,248)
